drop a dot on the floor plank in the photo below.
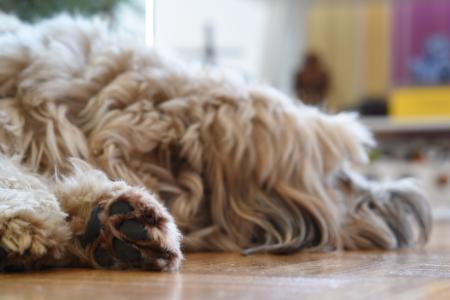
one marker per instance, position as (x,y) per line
(407,274)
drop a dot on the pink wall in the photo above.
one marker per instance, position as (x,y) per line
(413,22)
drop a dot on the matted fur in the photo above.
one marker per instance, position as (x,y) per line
(240,167)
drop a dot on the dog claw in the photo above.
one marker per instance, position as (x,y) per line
(150,220)
(162,253)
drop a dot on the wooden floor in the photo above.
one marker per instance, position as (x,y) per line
(409,274)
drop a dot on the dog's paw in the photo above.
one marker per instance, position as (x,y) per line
(131,231)
(389,216)
(26,244)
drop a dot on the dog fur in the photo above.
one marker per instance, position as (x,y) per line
(89,118)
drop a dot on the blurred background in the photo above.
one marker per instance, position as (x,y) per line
(387,59)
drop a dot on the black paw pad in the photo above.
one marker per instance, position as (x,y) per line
(125,251)
(3,253)
(133,230)
(103,257)
(15,268)
(93,227)
(120,208)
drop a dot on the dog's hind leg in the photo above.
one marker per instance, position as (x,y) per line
(371,214)
(33,231)
(384,215)
(116,225)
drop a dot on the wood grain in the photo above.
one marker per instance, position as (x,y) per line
(406,274)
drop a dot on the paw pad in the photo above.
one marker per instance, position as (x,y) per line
(93,227)
(119,208)
(122,234)
(15,268)
(133,230)
(3,254)
(103,257)
(126,251)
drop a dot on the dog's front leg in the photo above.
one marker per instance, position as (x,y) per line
(116,225)
(33,230)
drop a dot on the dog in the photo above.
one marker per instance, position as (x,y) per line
(112,152)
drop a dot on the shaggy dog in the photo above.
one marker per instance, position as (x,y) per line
(106,145)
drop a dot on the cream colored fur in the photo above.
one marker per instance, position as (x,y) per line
(31,219)
(239,166)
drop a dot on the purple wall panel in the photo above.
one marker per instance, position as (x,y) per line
(413,22)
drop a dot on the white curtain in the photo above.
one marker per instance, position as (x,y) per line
(285,42)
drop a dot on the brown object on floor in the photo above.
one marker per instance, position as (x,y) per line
(312,81)
(406,274)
